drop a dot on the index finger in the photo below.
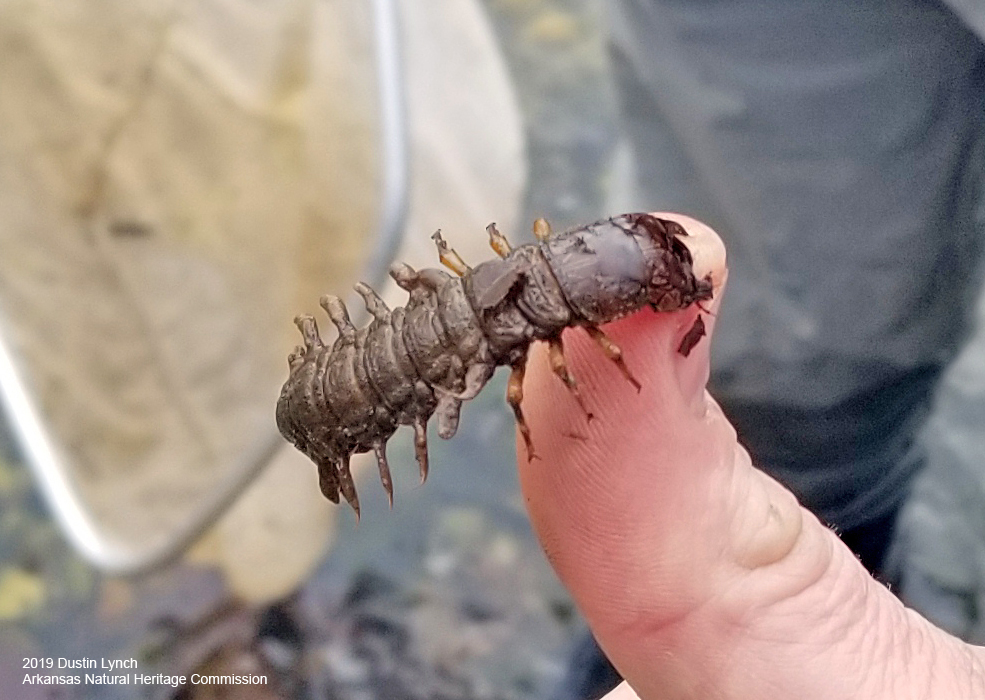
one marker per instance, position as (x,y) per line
(609,494)
(652,511)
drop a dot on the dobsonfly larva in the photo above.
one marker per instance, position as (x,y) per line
(441,349)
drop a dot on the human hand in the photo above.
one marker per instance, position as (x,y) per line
(701,576)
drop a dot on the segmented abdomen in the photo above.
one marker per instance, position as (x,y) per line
(351,396)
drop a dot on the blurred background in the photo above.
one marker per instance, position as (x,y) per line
(177,182)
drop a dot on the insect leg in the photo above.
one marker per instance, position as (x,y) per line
(379,449)
(475,378)
(346,485)
(542,229)
(448,257)
(421,445)
(514,397)
(328,481)
(309,331)
(448,412)
(409,280)
(498,242)
(340,316)
(404,275)
(613,352)
(560,367)
(376,306)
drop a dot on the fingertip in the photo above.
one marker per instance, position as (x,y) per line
(665,388)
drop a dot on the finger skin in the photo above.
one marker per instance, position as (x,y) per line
(701,576)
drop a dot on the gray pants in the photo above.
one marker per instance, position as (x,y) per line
(839,148)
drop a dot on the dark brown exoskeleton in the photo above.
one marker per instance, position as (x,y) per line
(441,349)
